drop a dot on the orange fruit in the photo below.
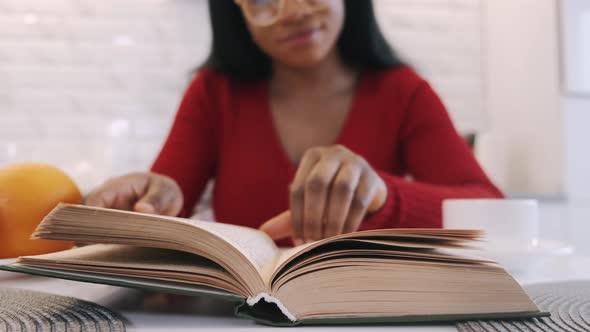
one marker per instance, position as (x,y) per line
(28,192)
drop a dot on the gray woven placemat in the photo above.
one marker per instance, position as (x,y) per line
(568,303)
(24,310)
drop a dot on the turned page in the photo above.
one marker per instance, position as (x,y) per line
(255,245)
(138,262)
(125,257)
(445,242)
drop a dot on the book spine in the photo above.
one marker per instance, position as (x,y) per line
(253,300)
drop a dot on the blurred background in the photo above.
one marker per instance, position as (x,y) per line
(92,86)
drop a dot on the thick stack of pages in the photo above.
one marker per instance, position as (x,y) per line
(390,275)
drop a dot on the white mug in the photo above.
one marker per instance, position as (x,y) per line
(508,224)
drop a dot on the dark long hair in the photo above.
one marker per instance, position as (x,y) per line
(234,52)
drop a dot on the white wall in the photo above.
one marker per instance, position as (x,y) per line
(91,86)
(576,28)
(523,150)
(443,40)
(570,220)
(577,123)
(576,41)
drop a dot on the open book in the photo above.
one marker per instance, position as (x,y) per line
(390,275)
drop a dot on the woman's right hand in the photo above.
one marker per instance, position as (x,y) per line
(139,192)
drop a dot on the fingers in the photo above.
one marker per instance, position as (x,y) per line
(278,227)
(141,192)
(341,196)
(119,193)
(96,199)
(363,196)
(162,197)
(379,197)
(297,194)
(331,194)
(317,187)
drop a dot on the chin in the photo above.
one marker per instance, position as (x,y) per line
(305,60)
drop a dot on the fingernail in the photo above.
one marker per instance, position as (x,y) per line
(297,242)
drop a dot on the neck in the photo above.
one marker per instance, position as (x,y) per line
(330,76)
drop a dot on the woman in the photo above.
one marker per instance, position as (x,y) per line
(302,107)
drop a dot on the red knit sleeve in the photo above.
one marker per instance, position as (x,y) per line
(439,161)
(189,154)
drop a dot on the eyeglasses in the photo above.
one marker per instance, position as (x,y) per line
(267,12)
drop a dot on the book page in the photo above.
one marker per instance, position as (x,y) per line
(130,261)
(416,240)
(255,245)
(289,253)
(254,252)
(131,257)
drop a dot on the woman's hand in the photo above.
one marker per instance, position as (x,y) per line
(140,192)
(332,192)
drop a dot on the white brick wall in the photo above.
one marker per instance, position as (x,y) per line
(443,39)
(91,86)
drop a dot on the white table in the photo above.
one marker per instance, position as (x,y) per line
(154,313)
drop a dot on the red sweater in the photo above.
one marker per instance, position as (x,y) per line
(224,130)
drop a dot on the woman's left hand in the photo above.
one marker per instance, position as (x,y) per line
(331,194)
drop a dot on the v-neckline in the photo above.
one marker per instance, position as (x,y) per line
(274,135)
